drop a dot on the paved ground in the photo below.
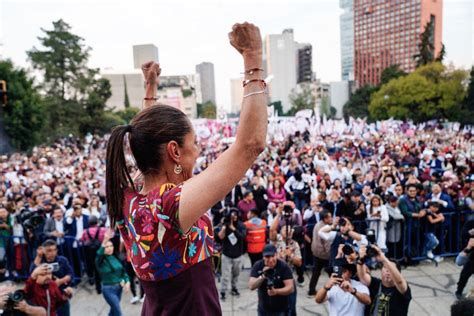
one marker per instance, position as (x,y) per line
(432,289)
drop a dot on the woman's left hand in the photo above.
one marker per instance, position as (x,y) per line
(126,287)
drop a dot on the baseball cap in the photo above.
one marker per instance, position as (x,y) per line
(269,250)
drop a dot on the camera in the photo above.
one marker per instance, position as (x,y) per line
(371,238)
(13,299)
(53,267)
(28,219)
(270,275)
(342,222)
(338,271)
(287,211)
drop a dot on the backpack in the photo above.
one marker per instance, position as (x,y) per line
(92,244)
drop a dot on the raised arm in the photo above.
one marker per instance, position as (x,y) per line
(151,71)
(201,192)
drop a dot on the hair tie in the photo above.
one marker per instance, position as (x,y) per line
(128,128)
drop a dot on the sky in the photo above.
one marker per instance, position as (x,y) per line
(188,32)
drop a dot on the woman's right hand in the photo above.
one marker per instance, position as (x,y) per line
(246,39)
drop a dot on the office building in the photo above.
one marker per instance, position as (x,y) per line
(388,32)
(135,88)
(347,39)
(144,53)
(305,63)
(280,53)
(205,71)
(236,94)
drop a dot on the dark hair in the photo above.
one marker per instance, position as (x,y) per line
(411,185)
(93,221)
(255,211)
(149,131)
(464,307)
(298,175)
(247,193)
(324,214)
(49,242)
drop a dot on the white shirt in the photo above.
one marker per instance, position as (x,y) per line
(345,304)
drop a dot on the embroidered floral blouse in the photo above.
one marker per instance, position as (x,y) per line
(153,238)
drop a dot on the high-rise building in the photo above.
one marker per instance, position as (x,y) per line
(205,71)
(305,63)
(280,59)
(130,82)
(144,53)
(347,39)
(236,94)
(388,32)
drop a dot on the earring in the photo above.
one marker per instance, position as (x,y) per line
(178,169)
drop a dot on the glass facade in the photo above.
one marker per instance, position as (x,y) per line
(347,39)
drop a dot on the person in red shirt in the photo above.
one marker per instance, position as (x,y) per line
(41,290)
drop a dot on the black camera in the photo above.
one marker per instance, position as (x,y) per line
(371,238)
(270,275)
(342,222)
(30,220)
(338,271)
(287,211)
(13,299)
(226,221)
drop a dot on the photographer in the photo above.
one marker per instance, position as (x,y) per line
(345,295)
(12,302)
(62,274)
(339,233)
(466,259)
(232,235)
(321,250)
(274,281)
(390,295)
(41,290)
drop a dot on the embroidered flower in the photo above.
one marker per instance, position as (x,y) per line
(192,250)
(147,225)
(164,263)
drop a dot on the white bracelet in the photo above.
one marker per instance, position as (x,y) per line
(255,93)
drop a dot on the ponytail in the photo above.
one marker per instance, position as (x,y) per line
(117,177)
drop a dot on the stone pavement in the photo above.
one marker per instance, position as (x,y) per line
(432,290)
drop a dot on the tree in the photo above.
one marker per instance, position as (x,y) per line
(76,95)
(278,107)
(391,72)
(358,104)
(431,92)
(62,61)
(302,98)
(128,114)
(209,110)
(23,113)
(126,101)
(469,99)
(426,53)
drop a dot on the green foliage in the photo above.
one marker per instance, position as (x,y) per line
(126,101)
(358,104)
(469,99)
(431,92)
(208,110)
(23,113)
(278,107)
(391,72)
(111,120)
(187,93)
(76,95)
(128,113)
(303,99)
(426,53)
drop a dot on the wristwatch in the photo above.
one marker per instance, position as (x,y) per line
(354,292)
(327,290)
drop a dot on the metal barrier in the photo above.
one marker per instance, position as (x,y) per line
(413,237)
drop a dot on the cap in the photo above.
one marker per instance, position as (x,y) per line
(269,250)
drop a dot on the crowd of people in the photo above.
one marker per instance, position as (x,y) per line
(318,187)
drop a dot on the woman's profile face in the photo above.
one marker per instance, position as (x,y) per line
(190,153)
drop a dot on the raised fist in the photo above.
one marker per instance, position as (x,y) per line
(151,71)
(246,39)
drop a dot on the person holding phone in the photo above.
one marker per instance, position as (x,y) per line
(378,216)
(345,296)
(113,276)
(62,274)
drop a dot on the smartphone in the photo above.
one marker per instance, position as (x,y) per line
(53,267)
